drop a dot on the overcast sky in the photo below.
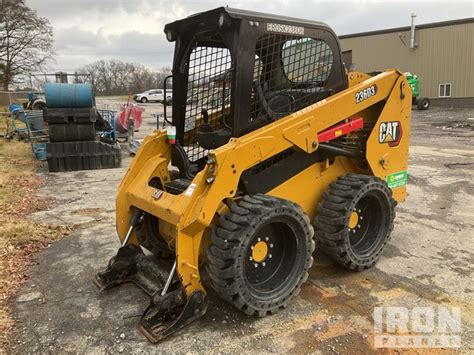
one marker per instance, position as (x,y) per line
(132,30)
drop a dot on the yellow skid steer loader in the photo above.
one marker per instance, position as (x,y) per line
(273,149)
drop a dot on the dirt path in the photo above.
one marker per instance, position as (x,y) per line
(427,263)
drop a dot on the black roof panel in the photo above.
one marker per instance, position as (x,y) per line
(251,15)
(244,14)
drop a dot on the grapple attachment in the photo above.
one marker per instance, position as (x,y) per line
(169,309)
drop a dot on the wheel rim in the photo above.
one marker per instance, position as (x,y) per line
(271,264)
(425,104)
(366,235)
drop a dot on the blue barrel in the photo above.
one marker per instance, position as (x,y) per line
(68,95)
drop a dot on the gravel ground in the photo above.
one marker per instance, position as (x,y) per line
(428,262)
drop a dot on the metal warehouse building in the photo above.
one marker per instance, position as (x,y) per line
(441,54)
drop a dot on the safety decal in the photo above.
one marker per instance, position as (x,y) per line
(157,194)
(397,179)
(390,132)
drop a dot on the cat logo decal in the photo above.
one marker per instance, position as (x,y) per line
(390,133)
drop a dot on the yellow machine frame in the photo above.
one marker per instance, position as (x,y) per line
(186,219)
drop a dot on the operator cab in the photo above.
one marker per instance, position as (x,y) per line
(235,71)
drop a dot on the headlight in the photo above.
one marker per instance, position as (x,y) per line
(221,20)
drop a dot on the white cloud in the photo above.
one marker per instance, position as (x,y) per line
(88,30)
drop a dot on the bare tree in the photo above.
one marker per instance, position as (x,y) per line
(26,41)
(160,76)
(2,68)
(114,77)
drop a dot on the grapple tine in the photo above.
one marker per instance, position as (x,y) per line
(169,313)
(120,268)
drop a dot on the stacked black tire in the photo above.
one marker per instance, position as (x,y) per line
(71,124)
(73,144)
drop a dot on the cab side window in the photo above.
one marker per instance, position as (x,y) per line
(306,60)
(290,73)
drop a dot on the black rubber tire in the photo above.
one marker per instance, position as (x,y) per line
(333,235)
(148,235)
(423,103)
(228,255)
(143,100)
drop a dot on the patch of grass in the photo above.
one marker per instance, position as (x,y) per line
(16,157)
(20,238)
(21,232)
(7,193)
